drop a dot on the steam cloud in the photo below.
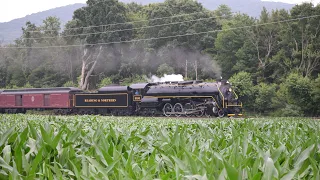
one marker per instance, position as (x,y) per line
(165,78)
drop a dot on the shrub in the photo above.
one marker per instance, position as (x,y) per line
(263,97)
(243,86)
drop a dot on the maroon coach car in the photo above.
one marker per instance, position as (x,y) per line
(18,101)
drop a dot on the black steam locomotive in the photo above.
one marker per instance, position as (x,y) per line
(186,98)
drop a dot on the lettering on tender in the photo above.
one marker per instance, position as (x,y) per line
(100,100)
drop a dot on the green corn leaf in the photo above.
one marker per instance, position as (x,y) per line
(257,176)
(18,158)
(7,154)
(49,173)
(56,139)
(5,165)
(99,167)
(4,137)
(111,166)
(75,170)
(270,170)
(231,171)
(56,169)
(45,136)
(276,154)
(303,156)
(223,174)
(25,164)
(35,164)
(15,174)
(33,131)
(75,134)
(194,166)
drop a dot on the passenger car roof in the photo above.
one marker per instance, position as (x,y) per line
(41,90)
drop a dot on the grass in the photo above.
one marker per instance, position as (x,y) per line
(94,147)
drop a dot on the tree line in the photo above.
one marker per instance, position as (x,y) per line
(272,61)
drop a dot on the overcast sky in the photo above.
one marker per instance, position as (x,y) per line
(12,9)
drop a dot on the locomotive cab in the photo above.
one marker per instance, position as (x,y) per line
(138,91)
(230,100)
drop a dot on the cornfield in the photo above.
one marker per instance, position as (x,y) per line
(94,147)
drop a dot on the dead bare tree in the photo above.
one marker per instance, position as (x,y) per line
(89,60)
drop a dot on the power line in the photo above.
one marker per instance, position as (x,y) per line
(165,37)
(132,22)
(120,30)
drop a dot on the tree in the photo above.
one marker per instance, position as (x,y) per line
(97,13)
(164,69)
(45,76)
(4,64)
(180,25)
(264,40)
(235,52)
(300,39)
(51,29)
(316,95)
(30,36)
(223,13)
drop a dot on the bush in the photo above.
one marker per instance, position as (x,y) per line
(299,90)
(263,97)
(243,86)
(242,83)
(289,110)
(104,82)
(70,84)
(134,79)
(165,69)
(294,97)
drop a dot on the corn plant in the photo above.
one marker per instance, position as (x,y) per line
(95,147)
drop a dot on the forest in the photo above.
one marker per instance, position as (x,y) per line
(272,61)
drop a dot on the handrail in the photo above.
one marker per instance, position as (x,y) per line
(237,97)
(235,94)
(222,96)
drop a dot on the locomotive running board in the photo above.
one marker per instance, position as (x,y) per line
(234,115)
(183,113)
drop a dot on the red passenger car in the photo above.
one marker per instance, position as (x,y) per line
(18,101)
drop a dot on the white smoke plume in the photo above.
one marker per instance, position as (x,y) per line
(165,78)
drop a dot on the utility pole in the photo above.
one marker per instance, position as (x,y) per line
(186,75)
(196,69)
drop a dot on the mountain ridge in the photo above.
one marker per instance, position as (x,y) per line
(11,30)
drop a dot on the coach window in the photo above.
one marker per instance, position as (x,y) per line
(18,100)
(47,100)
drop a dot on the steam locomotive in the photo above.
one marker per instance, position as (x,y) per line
(184,98)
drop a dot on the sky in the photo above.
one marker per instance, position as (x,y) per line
(12,9)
